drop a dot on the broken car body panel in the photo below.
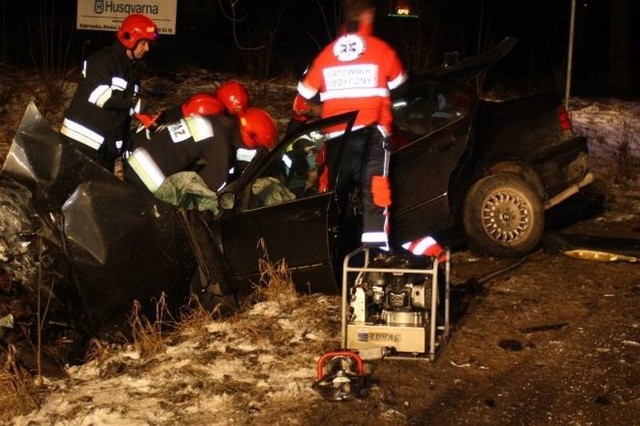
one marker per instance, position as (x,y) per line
(112,243)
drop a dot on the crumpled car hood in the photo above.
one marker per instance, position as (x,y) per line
(103,243)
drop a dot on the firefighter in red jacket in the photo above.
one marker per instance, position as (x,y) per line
(98,119)
(356,72)
(204,140)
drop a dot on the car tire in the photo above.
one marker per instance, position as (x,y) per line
(503,216)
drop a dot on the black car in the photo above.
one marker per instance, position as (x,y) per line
(458,162)
(490,169)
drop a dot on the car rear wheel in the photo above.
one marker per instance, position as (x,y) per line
(503,216)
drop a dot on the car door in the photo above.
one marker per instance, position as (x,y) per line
(274,219)
(432,121)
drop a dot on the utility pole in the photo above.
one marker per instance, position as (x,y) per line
(567,90)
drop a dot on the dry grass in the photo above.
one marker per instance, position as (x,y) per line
(17,393)
(194,318)
(275,283)
(152,338)
(149,337)
(99,351)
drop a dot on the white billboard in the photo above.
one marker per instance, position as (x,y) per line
(106,15)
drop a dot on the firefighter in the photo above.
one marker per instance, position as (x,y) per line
(203,140)
(98,119)
(356,72)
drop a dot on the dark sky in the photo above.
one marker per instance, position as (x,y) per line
(542,28)
(539,58)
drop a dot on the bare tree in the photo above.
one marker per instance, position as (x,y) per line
(255,25)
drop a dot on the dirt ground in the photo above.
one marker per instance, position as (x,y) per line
(554,341)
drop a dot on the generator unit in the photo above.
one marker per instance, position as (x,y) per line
(395,305)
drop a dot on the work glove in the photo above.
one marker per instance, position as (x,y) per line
(381,191)
(304,110)
(151,120)
(301,108)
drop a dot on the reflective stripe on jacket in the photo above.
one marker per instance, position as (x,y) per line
(100,111)
(355,72)
(146,168)
(205,144)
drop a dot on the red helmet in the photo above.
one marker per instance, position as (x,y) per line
(258,129)
(234,96)
(134,28)
(202,104)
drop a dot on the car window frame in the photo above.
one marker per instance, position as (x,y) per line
(264,160)
(432,87)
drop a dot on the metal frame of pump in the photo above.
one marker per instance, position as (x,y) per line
(421,336)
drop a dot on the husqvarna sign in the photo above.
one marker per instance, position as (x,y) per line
(106,15)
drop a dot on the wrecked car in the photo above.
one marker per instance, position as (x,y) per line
(81,241)
(491,169)
(457,162)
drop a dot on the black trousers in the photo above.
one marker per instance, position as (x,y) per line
(365,155)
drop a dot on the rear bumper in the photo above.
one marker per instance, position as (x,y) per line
(564,170)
